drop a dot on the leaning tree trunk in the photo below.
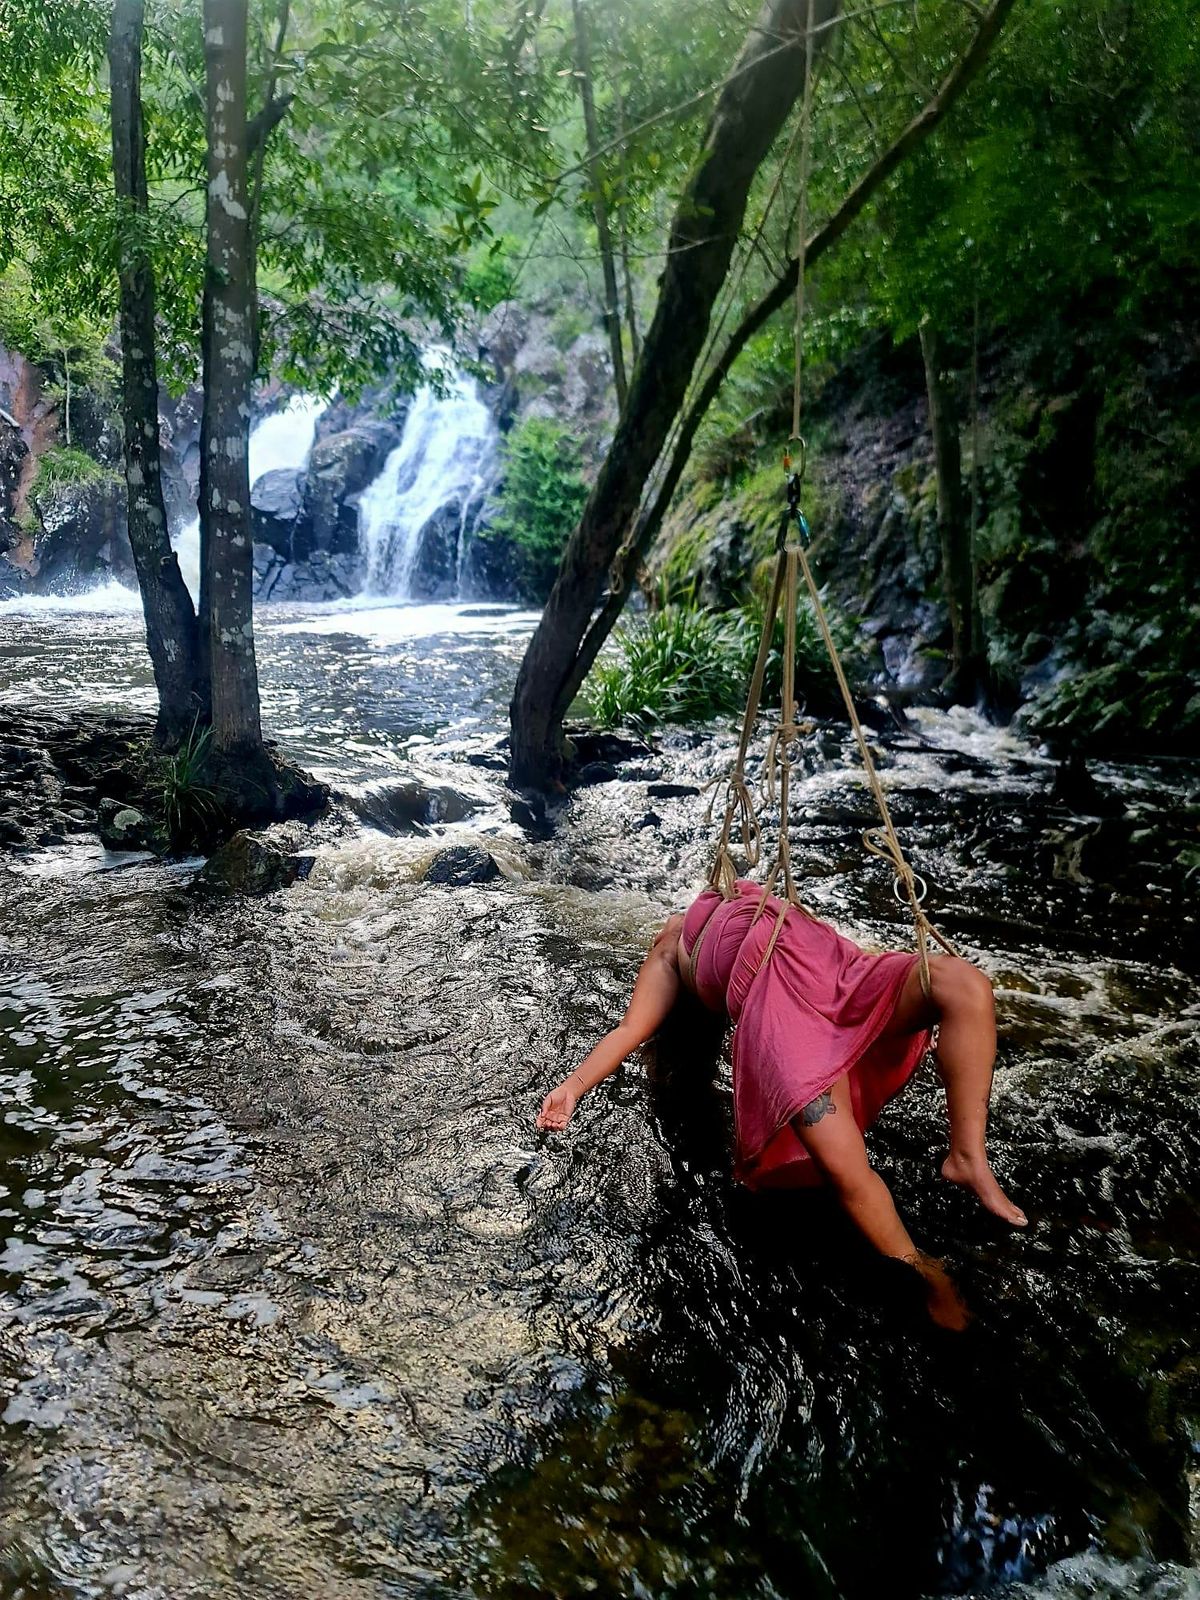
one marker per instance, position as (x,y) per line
(954,528)
(750,110)
(228,357)
(171,634)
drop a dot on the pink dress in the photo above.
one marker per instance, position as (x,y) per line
(818,1009)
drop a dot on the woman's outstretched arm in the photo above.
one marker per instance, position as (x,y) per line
(654,995)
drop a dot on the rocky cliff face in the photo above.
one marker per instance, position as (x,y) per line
(547,365)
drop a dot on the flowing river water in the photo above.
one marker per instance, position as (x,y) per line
(296,1303)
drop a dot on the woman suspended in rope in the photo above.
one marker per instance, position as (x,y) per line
(825,1035)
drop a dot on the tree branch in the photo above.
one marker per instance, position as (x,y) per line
(261,126)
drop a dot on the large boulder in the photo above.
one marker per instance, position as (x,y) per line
(339,469)
(461,864)
(83,533)
(322,577)
(248,865)
(276,506)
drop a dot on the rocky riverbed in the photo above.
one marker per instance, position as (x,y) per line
(297,1301)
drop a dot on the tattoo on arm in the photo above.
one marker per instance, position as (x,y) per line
(816,1109)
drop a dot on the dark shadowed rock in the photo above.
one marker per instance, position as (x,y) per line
(461,864)
(321,577)
(397,807)
(248,865)
(596,772)
(671,791)
(124,827)
(593,744)
(435,564)
(339,469)
(276,506)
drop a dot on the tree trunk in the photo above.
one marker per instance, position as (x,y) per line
(590,639)
(954,529)
(612,301)
(228,357)
(750,110)
(170,617)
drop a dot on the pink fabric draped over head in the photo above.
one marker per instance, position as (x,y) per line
(816,1010)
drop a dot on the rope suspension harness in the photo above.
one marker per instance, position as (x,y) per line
(792,564)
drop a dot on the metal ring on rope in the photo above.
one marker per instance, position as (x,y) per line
(900,889)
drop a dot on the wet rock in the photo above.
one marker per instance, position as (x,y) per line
(321,577)
(671,791)
(435,564)
(462,864)
(124,827)
(276,506)
(529,811)
(83,534)
(591,744)
(401,806)
(248,865)
(13,454)
(596,772)
(339,469)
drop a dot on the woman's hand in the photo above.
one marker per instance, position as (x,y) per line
(558,1107)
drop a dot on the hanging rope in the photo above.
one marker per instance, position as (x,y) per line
(790,564)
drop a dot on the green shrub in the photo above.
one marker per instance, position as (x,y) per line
(1141,695)
(815,686)
(490,275)
(686,664)
(541,496)
(680,664)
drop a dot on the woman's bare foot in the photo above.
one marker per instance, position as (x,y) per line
(974,1173)
(945,1305)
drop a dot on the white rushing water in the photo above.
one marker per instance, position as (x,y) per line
(284,439)
(445,458)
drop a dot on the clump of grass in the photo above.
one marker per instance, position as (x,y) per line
(681,664)
(64,467)
(190,807)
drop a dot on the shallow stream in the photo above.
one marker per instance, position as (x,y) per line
(296,1303)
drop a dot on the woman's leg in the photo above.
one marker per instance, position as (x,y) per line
(963,1007)
(829,1133)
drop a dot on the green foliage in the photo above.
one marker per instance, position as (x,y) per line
(684,663)
(74,343)
(541,495)
(680,664)
(62,467)
(191,810)
(490,274)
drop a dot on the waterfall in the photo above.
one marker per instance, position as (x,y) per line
(442,464)
(283,439)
